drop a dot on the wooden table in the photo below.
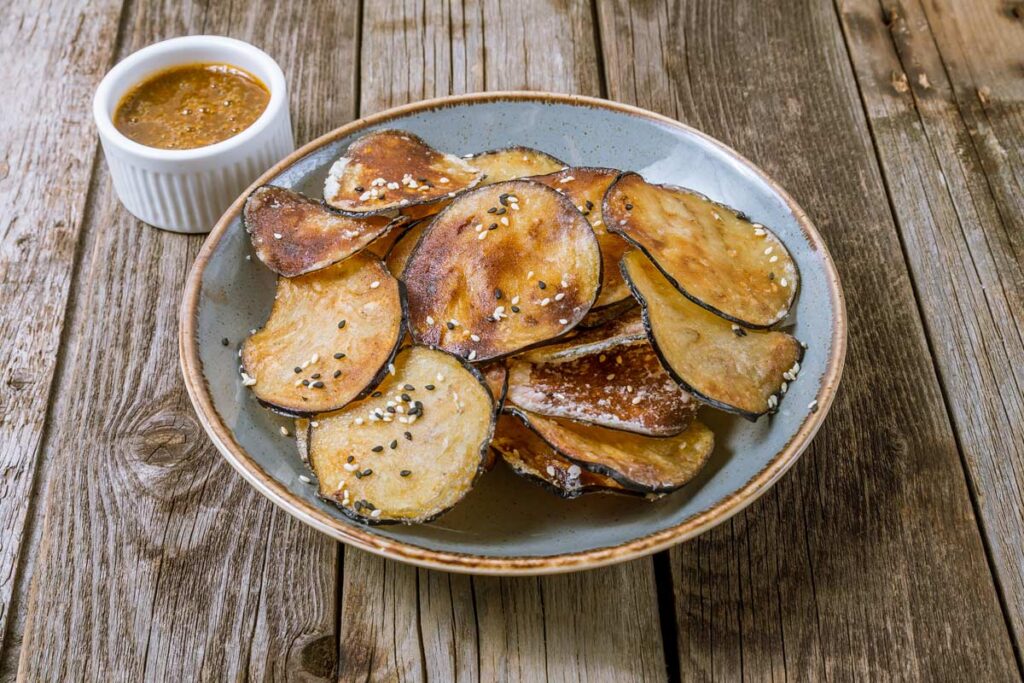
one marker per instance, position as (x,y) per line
(130,550)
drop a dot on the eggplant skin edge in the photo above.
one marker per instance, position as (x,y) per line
(628,485)
(567,495)
(377,379)
(725,407)
(481,467)
(614,228)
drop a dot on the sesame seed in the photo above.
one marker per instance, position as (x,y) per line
(545,301)
(337,374)
(284,431)
(515,300)
(563,321)
(768,251)
(315,375)
(407,435)
(376,394)
(443,180)
(492,226)
(474,337)
(566,179)
(304,479)
(277,235)
(314,424)
(318,385)
(224,341)
(529,275)
(375,514)
(636,399)
(349,467)
(247,381)
(813,406)
(715,214)
(407,398)
(339,356)
(773,259)
(377,449)
(472,354)
(391,368)
(610,376)
(550,470)
(629,207)
(394,444)
(409,387)
(429,387)
(404,473)
(497,293)
(440,377)
(504,220)
(784,282)
(341,324)
(481,235)
(759,231)
(542,284)
(375,284)
(515,309)
(297,369)
(359,420)
(450,325)
(314,358)
(559,296)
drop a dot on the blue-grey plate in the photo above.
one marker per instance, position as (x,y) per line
(508,525)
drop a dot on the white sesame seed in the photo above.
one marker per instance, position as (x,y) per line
(454,322)
(629,388)
(440,377)
(715,214)
(277,235)
(773,259)
(610,376)
(304,479)
(359,420)
(364,196)
(314,358)
(545,301)
(443,180)
(513,206)
(784,282)
(622,222)
(550,470)
(515,300)
(248,257)
(375,514)
(504,220)
(350,467)
(563,321)
(284,431)
(636,399)
(375,284)
(529,275)
(759,231)
(391,368)
(430,320)
(813,405)
(386,418)
(482,235)
(478,227)
(526,158)
(566,179)
(247,381)
(472,354)
(559,296)
(768,251)
(404,420)
(451,194)
(474,337)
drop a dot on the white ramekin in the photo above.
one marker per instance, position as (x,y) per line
(187,190)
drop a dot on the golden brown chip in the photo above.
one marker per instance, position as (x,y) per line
(622,387)
(413,448)
(329,337)
(736,369)
(510,163)
(640,463)
(293,234)
(711,253)
(496,375)
(623,330)
(402,249)
(390,170)
(504,267)
(585,187)
(601,316)
(530,457)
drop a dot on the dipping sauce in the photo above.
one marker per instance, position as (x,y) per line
(191,106)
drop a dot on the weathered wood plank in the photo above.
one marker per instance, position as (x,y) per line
(53,53)
(867,557)
(954,179)
(157,561)
(405,624)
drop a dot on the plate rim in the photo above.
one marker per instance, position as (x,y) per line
(694,525)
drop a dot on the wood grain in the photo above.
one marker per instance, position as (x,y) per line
(866,557)
(52,54)
(157,561)
(952,165)
(399,623)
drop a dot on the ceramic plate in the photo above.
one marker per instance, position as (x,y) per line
(508,525)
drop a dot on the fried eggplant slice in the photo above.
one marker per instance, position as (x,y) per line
(586,187)
(381,246)
(510,163)
(628,328)
(386,171)
(503,268)
(599,316)
(330,336)
(496,375)
(623,387)
(302,438)
(734,369)
(638,463)
(530,457)
(711,253)
(413,448)
(402,249)
(293,234)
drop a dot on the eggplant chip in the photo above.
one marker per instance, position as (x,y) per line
(623,330)
(496,376)
(293,234)
(585,187)
(381,246)
(411,450)
(711,253)
(530,457)
(735,369)
(600,316)
(329,337)
(388,170)
(510,163)
(504,267)
(401,250)
(638,463)
(622,387)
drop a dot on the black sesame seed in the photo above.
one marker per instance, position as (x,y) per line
(409,387)
(405,473)
(497,293)
(337,374)
(515,309)
(390,409)
(493,209)
(318,385)
(739,331)
(429,387)
(590,205)
(305,382)
(339,356)
(315,375)
(451,325)
(368,505)
(376,394)
(224,341)
(304,398)
(350,458)
(771,276)
(359,188)
(503,198)
(367,472)
(377,449)
(408,436)
(297,369)
(629,207)
(542,284)
(406,398)
(341,324)
(359,475)
(501,211)
(492,226)
(394,444)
